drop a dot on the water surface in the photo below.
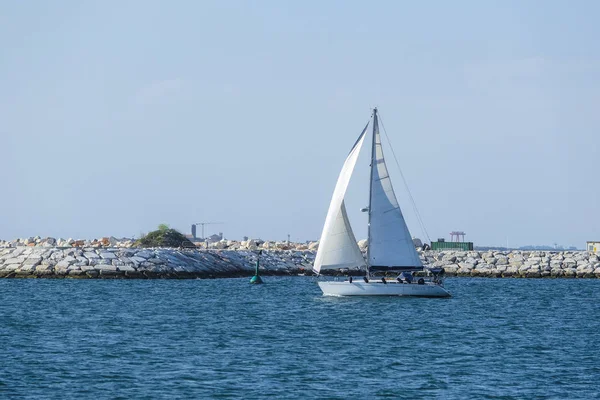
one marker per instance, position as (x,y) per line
(495,338)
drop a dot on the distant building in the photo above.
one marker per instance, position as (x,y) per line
(210,239)
(215,238)
(594,247)
(441,243)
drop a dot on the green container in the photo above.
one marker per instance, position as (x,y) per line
(466,246)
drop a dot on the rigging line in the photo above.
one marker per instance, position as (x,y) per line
(412,200)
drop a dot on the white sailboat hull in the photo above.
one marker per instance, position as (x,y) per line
(378,288)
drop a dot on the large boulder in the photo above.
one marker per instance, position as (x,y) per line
(221,244)
(362,244)
(569,262)
(449,258)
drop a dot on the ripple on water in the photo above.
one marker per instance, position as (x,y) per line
(495,338)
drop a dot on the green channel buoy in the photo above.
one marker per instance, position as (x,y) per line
(256,278)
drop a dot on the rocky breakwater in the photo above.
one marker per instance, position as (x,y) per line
(93,262)
(38,259)
(518,264)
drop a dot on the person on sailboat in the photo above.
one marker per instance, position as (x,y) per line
(407,277)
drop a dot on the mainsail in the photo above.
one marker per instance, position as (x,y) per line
(337,247)
(390,243)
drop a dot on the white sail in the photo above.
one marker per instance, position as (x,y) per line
(390,242)
(337,247)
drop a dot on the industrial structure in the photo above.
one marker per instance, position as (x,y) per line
(457,242)
(593,247)
(457,236)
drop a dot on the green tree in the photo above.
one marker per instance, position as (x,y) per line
(164,237)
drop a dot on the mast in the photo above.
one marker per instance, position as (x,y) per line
(373,159)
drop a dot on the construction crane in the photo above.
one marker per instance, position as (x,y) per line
(202,225)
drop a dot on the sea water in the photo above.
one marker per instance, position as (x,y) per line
(225,338)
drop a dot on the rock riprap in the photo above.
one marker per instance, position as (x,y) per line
(40,262)
(112,242)
(518,264)
(112,262)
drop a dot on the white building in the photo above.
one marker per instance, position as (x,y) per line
(594,247)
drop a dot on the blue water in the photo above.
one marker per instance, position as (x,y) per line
(495,339)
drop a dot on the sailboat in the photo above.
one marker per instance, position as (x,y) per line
(390,246)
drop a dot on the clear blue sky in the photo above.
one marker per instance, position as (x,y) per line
(118,116)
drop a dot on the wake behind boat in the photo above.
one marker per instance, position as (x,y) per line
(390,246)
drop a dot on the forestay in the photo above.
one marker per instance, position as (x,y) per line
(338,247)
